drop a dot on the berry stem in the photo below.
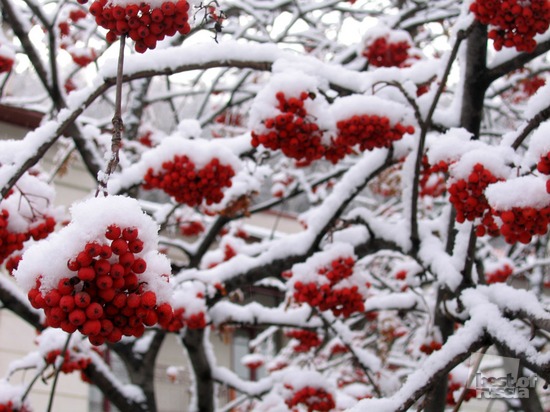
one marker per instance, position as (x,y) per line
(57,370)
(118,125)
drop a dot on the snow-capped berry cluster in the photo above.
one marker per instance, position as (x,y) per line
(180,179)
(104,275)
(307,339)
(369,132)
(331,295)
(515,22)
(314,399)
(293,131)
(383,53)
(189,308)
(524,89)
(191,228)
(142,22)
(522,223)
(12,240)
(468,198)
(499,274)
(10,398)
(101,295)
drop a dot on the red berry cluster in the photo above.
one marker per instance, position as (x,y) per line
(70,364)
(74,16)
(6,64)
(524,89)
(10,407)
(430,347)
(468,198)
(83,57)
(340,300)
(516,22)
(180,320)
(180,179)
(499,275)
(369,132)
(522,223)
(292,131)
(192,228)
(228,253)
(103,297)
(455,386)
(344,301)
(381,53)
(307,339)
(314,399)
(543,166)
(432,178)
(13,241)
(143,24)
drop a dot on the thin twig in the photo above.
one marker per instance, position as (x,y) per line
(57,370)
(116,141)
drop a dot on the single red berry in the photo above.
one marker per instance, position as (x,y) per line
(113,231)
(149,300)
(82,299)
(119,246)
(94,311)
(77,317)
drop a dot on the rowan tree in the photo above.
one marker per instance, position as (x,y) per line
(409,139)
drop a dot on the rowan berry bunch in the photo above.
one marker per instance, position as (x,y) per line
(499,275)
(191,228)
(141,21)
(102,295)
(70,363)
(341,300)
(383,53)
(306,339)
(293,131)
(515,22)
(522,223)
(12,241)
(181,320)
(314,399)
(82,57)
(524,89)
(180,179)
(468,198)
(369,132)
(430,347)
(9,406)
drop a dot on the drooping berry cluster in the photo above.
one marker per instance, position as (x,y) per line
(368,132)
(307,339)
(341,300)
(180,179)
(13,241)
(102,296)
(144,24)
(292,131)
(522,223)
(468,198)
(499,275)
(524,89)
(70,362)
(314,399)
(543,166)
(382,53)
(515,22)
